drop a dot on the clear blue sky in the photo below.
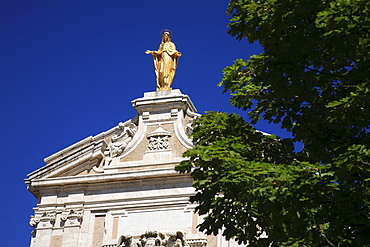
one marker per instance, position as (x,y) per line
(70,68)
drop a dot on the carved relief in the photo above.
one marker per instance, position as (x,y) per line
(177,240)
(153,238)
(197,242)
(159,140)
(45,220)
(119,141)
(72,217)
(125,241)
(189,127)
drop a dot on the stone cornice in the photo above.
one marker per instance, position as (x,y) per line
(93,150)
(101,178)
(170,99)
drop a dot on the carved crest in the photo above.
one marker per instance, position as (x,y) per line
(159,139)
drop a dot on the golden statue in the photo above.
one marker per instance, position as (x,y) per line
(165,62)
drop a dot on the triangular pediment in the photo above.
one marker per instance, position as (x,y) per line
(154,139)
(78,159)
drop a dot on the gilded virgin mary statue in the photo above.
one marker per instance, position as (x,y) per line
(165,62)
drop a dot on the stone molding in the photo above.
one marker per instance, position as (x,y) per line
(183,134)
(197,242)
(94,150)
(163,101)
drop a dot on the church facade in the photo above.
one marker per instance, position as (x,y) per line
(119,188)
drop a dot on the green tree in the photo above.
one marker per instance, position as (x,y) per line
(313,80)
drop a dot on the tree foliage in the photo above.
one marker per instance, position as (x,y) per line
(313,80)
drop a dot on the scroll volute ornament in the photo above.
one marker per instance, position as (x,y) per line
(72,217)
(46,219)
(165,61)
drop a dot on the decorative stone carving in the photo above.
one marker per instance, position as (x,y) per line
(119,141)
(189,127)
(153,239)
(125,241)
(177,240)
(197,242)
(45,220)
(159,140)
(72,217)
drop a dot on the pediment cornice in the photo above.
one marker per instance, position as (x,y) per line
(148,145)
(85,152)
(103,178)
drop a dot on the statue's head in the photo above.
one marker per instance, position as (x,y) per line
(166,35)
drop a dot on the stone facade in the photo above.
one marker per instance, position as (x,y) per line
(119,188)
